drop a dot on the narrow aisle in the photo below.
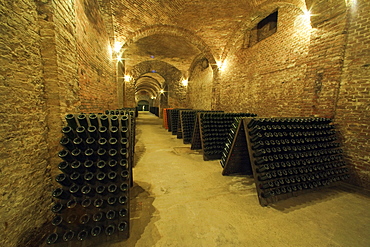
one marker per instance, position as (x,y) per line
(180,200)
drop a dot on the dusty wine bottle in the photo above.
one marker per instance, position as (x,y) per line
(60,194)
(71,121)
(82,119)
(68,235)
(82,235)
(67,143)
(95,231)
(104,120)
(66,155)
(93,118)
(81,132)
(110,229)
(63,179)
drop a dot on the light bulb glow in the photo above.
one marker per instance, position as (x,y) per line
(185,82)
(127,78)
(117,46)
(161,91)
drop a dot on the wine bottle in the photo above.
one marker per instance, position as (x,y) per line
(99,203)
(67,143)
(123,212)
(57,208)
(122,200)
(86,203)
(98,217)
(63,179)
(95,231)
(87,191)
(103,132)
(75,190)
(72,122)
(123,187)
(101,190)
(122,226)
(114,120)
(68,235)
(84,219)
(76,178)
(92,144)
(110,230)
(81,132)
(93,120)
(82,235)
(53,238)
(111,200)
(82,119)
(66,155)
(114,131)
(77,166)
(60,194)
(65,167)
(113,164)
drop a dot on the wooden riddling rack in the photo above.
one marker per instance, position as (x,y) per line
(165,117)
(211,130)
(186,124)
(287,156)
(92,202)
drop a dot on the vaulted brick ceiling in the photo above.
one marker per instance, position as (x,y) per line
(177,31)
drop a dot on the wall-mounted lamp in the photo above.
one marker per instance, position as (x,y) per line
(127,78)
(161,91)
(119,58)
(185,82)
(221,65)
(153,97)
(117,46)
(307,15)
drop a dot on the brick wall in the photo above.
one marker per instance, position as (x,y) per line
(24,171)
(268,77)
(353,107)
(42,60)
(97,82)
(199,93)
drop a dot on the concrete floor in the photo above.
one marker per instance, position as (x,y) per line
(180,200)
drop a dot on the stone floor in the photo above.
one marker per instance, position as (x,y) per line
(180,200)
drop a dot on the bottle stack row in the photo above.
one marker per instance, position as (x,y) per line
(92,201)
(290,155)
(187,123)
(214,128)
(154,110)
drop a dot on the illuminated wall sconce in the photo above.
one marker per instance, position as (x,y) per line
(119,58)
(161,91)
(153,97)
(307,15)
(185,82)
(127,78)
(221,65)
(117,46)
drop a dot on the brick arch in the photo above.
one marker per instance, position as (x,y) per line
(189,36)
(166,70)
(255,16)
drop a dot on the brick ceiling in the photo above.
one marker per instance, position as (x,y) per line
(177,31)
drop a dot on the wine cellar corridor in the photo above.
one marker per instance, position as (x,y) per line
(189,123)
(181,200)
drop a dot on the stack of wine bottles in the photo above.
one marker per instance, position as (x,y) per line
(291,155)
(187,118)
(174,120)
(235,152)
(154,110)
(165,117)
(92,202)
(214,132)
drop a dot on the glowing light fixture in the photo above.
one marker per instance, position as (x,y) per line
(307,15)
(117,46)
(185,82)
(221,65)
(119,58)
(127,78)
(161,91)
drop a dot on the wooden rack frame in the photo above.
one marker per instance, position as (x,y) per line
(280,183)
